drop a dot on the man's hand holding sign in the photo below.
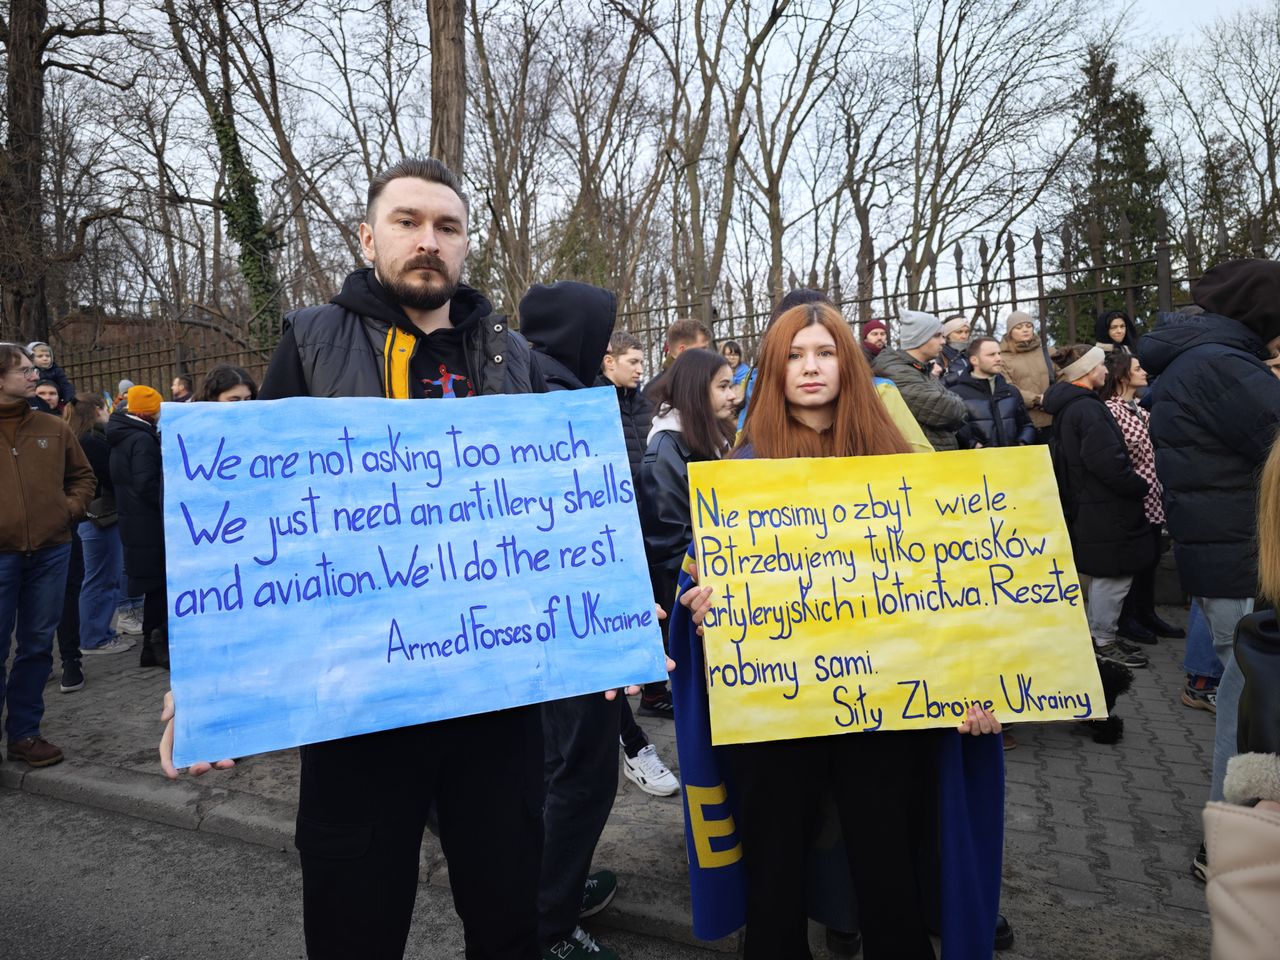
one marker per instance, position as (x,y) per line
(332,573)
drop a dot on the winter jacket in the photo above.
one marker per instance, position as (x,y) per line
(1243,843)
(939,412)
(997,416)
(1101,494)
(1135,424)
(360,345)
(665,518)
(1215,407)
(637,420)
(1027,366)
(58,377)
(98,452)
(955,363)
(139,484)
(45,483)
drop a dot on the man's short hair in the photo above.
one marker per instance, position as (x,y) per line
(976,344)
(621,342)
(186,381)
(12,355)
(421,168)
(686,331)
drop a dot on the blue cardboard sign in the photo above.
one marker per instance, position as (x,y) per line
(341,566)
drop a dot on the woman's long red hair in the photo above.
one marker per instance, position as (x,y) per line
(861,425)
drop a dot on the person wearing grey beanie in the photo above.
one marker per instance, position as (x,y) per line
(939,412)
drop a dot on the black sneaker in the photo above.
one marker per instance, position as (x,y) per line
(598,892)
(1132,628)
(843,943)
(1200,865)
(658,705)
(1004,933)
(1115,652)
(72,677)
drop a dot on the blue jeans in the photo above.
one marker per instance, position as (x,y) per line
(103,562)
(1200,659)
(31,589)
(1223,613)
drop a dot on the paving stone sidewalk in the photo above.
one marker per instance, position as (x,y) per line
(1099,839)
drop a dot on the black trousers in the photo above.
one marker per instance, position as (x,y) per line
(69,624)
(884,786)
(633,738)
(581,771)
(363,803)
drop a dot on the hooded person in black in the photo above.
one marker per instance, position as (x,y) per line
(1106,338)
(569,325)
(1215,409)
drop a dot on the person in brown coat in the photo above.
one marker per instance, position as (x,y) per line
(1027,366)
(46,484)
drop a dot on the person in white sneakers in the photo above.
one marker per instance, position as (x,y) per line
(647,771)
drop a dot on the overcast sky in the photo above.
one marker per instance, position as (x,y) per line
(1184,16)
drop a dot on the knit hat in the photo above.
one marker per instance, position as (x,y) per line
(123,387)
(31,347)
(917,327)
(954,324)
(144,401)
(873,325)
(1244,290)
(1015,318)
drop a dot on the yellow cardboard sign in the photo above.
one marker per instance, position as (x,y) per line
(888,593)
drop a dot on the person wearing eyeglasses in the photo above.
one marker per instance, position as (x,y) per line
(47,483)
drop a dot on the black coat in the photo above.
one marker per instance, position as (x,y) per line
(98,452)
(997,415)
(138,479)
(1215,407)
(1101,494)
(665,519)
(637,417)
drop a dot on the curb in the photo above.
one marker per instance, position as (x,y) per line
(642,905)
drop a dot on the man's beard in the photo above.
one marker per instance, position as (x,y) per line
(428,296)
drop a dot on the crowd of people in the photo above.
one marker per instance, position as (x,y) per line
(1163,433)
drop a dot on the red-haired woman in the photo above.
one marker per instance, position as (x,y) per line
(816,397)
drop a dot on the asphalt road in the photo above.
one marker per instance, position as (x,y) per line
(81,884)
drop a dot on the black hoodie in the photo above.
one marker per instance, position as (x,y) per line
(1103,335)
(569,325)
(440,367)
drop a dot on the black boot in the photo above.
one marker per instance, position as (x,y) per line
(160,647)
(1131,628)
(147,658)
(1151,620)
(1004,933)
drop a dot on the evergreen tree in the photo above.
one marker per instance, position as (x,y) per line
(1116,176)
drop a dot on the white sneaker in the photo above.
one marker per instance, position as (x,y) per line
(649,773)
(114,645)
(129,622)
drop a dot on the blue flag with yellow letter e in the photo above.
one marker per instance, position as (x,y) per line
(970,817)
(717,877)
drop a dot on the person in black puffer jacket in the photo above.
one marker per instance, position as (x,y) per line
(138,479)
(997,415)
(1101,495)
(623,370)
(1215,408)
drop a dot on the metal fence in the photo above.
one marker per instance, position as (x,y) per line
(1062,286)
